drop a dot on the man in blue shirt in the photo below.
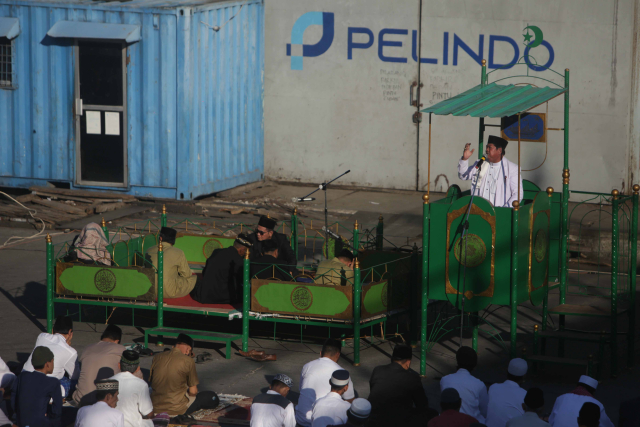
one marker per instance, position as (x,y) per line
(32,392)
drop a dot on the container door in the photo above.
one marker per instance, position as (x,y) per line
(100,107)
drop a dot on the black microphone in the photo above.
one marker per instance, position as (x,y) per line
(300,199)
(331,233)
(480,162)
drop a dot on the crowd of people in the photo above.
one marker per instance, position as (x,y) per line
(105,387)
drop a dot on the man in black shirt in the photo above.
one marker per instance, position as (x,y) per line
(265,231)
(397,396)
(268,266)
(221,281)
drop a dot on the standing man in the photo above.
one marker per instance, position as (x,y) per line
(332,409)
(100,361)
(314,381)
(337,271)
(273,409)
(532,406)
(506,399)
(266,231)
(472,391)
(396,386)
(103,412)
(133,392)
(567,407)
(451,416)
(221,281)
(175,382)
(178,280)
(496,179)
(60,345)
(33,390)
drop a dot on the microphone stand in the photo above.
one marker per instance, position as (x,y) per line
(323,187)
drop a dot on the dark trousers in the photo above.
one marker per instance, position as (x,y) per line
(204,400)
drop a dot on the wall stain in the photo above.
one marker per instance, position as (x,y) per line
(614,55)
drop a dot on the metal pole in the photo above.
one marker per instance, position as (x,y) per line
(514,277)
(380,234)
(632,275)
(105,229)
(413,301)
(246,302)
(160,289)
(483,80)
(615,237)
(356,238)
(425,285)
(357,295)
(163,217)
(294,232)
(564,243)
(50,309)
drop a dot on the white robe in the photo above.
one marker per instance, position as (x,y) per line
(504,194)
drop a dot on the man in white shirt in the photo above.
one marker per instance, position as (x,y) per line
(65,356)
(567,407)
(133,393)
(314,381)
(273,409)
(6,382)
(472,391)
(103,412)
(496,178)
(506,399)
(332,409)
(532,406)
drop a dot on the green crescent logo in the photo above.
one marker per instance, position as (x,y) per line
(537,36)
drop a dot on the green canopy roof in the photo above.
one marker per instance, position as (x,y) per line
(494,100)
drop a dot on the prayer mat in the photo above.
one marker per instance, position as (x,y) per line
(233,409)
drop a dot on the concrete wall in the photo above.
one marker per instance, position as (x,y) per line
(348,107)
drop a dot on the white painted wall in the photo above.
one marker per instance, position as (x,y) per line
(338,113)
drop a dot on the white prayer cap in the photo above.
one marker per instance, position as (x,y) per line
(518,367)
(360,408)
(339,378)
(589,381)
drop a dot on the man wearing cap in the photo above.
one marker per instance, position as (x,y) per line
(133,399)
(532,406)
(177,279)
(357,415)
(567,407)
(337,271)
(266,231)
(314,381)
(33,390)
(59,342)
(332,409)
(396,386)
(497,178)
(472,391)
(451,415)
(273,409)
(221,281)
(103,412)
(506,399)
(268,265)
(175,382)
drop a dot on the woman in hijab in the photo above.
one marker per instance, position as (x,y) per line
(91,245)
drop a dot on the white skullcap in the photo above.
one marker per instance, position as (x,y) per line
(360,408)
(589,381)
(340,378)
(518,367)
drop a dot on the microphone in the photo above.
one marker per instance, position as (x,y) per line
(300,199)
(480,162)
(331,233)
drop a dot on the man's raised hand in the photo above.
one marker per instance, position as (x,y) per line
(467,153)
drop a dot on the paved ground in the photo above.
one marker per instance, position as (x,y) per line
(22,316)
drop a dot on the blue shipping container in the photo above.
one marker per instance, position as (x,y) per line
(159,98)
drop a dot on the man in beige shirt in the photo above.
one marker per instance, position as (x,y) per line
(337,271)
(99,361)
(177,280)
(175,382)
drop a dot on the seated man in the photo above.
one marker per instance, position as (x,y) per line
(221,281)
(265,231)
(268,266)
(7,379)
(133,393)
(177,280)
(332,408)
(450,403)
(103,412)
(33,390)
(273,408)
(337,271)
(66,356)
(175,382)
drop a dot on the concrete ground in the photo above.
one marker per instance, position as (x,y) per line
(23,312)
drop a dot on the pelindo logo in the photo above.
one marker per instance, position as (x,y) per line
(297,49)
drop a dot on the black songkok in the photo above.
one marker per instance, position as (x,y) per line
(267,223)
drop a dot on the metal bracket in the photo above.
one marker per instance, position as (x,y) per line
(413,102)
(78,107)
(417,117)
